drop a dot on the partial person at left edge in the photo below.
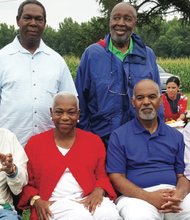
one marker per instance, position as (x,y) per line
(31,73)
(13,173)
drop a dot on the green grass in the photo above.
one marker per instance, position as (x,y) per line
(26,214)
(188,96)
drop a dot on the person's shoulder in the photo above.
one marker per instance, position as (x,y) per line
(87,138)
(125,128)
(149,50)
(41,136)
(173,132)
(94,47)
(47,49)
(163,95)
(183,96)
(6,49)
(187,128)
(50,50)
(6,132)
(87,134)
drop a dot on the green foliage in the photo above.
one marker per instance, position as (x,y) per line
(72,63)
(179,67)
(167,38)
(7,34)
(68,37)
(188,97)
(50,37)
(147,10)
(26,214)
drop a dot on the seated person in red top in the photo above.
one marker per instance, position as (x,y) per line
(66,168)
(174,102)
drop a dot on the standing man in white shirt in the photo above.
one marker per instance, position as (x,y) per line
(31,73)
(13,173)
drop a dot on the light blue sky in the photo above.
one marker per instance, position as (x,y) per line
(57,10)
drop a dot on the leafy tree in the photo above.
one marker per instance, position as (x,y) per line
(7,34)
(68,37)
(148,9)
(50,37)
(173,40)
(91,32)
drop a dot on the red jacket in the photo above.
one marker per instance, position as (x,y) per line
(182,107)
(85,160)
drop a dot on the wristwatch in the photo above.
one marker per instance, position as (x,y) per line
(33,199)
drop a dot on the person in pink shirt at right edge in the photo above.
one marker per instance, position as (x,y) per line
(186,134)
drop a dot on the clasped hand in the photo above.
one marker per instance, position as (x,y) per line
(165,200)
(172,204)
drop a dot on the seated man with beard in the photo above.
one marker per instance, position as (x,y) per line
(145,162)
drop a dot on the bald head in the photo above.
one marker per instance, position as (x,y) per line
(124,6)
(146,84)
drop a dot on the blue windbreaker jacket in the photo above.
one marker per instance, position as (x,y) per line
(105,84)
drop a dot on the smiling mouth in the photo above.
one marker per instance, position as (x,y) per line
(64,125)
(120,31)
(32,32)
(146,110)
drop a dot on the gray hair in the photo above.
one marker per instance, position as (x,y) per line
(65,94)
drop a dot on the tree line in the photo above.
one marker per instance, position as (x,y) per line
(166,38)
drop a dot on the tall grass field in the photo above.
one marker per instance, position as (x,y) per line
(179,67)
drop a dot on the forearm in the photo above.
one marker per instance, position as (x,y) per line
(182,117)
(127,188)
(16,183)
(182,187)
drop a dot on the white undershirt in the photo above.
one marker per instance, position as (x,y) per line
(67,186)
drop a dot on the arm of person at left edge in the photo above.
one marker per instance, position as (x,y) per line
(182,189)
(186,134)
(19,159)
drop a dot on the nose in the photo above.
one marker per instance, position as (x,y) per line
(121,21)
(64,116)
(33,21)
(170,89)
(146,101)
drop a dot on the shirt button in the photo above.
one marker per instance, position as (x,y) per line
(35,126)
(34,84)
(35,98)
(35,112)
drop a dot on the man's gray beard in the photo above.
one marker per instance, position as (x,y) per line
(120,40)
(147,117)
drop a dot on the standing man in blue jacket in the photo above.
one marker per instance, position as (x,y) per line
(108,71)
